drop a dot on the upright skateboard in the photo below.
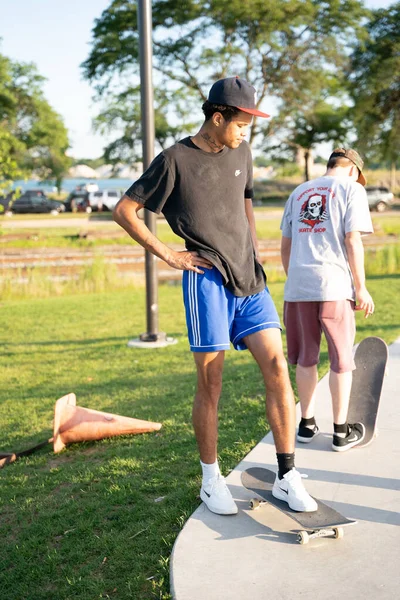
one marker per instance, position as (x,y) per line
(325,522)
(370,358)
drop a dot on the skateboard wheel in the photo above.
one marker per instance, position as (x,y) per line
(303,537)
(254,503)
(339,533)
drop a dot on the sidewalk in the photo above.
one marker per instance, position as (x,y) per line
(254,555)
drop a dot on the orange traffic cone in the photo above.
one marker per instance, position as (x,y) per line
(76,424)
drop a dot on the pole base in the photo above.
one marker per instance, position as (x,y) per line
(152,340)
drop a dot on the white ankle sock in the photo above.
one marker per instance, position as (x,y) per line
(209,470)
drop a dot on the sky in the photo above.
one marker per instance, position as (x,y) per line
(56,35)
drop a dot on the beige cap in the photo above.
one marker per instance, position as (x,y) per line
(355,159)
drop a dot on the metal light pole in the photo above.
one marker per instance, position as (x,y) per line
(152,338)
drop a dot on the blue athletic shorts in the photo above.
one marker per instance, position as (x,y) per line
(215,317)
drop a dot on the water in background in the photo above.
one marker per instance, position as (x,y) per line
(68,185)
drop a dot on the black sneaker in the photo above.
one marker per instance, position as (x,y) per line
(306,433)
(355,435)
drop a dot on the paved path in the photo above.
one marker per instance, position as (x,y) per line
(57,221)
(88,221)
(254,555)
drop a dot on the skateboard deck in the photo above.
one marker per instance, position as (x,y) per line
(370,358)
(325,522)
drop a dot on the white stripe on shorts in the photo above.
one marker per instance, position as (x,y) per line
(194,308)
(242,333)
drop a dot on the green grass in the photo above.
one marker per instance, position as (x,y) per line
(100,276)
(75,237)
(384,260)
(85,524)
(72,237)
(384,225)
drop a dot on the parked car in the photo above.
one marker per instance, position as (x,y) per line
(104,199)
(6,201)
(78,201)
(36,201)
(85,201)
(379,198)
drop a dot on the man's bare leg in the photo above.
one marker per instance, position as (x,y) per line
(307,379)
(345,435)
(205,406)
(214,491)
(266,347)
(340,387)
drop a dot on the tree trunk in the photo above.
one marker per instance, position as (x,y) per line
(393,176)
(59,181)
(306,163)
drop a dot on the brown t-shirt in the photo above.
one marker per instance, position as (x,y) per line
(201,194)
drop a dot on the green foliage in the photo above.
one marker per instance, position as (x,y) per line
(11,152)
(122,114)
(320,122)
(374,83)
(261,161)
(288,169)
(280,47)
(33,137)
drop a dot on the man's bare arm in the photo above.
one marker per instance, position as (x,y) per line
(355,256)
(286,246)
(126,215)
(248,206)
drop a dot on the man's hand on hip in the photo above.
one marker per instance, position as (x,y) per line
(188,261)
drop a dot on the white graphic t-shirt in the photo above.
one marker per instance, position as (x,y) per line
(317,216)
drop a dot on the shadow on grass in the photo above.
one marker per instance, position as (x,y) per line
(371,328)
(81,342)
(392,276)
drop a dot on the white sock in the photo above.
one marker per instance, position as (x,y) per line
(209,471)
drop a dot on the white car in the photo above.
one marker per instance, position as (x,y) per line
(379,198)
(104,199)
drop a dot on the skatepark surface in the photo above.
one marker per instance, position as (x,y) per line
(255,554)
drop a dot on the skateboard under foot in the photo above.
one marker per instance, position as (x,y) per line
(325,522)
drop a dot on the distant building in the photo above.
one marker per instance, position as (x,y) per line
(82,171)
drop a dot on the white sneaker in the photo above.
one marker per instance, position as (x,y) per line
(290,489)
(217,497)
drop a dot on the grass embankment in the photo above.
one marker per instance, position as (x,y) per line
(99,520)
(100,275)
(84,236)
(103,233)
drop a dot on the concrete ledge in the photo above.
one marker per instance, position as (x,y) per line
(254,555)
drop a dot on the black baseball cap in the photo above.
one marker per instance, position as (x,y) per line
(234,91)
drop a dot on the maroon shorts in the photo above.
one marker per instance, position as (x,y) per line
(305,321)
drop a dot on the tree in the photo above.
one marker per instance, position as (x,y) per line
(317,123)
(122,114)
(10,150)
(375,87)
(33,137)
(277,46)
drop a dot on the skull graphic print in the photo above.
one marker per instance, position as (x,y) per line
(313,211)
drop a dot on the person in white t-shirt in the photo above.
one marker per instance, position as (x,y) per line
(323,257)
